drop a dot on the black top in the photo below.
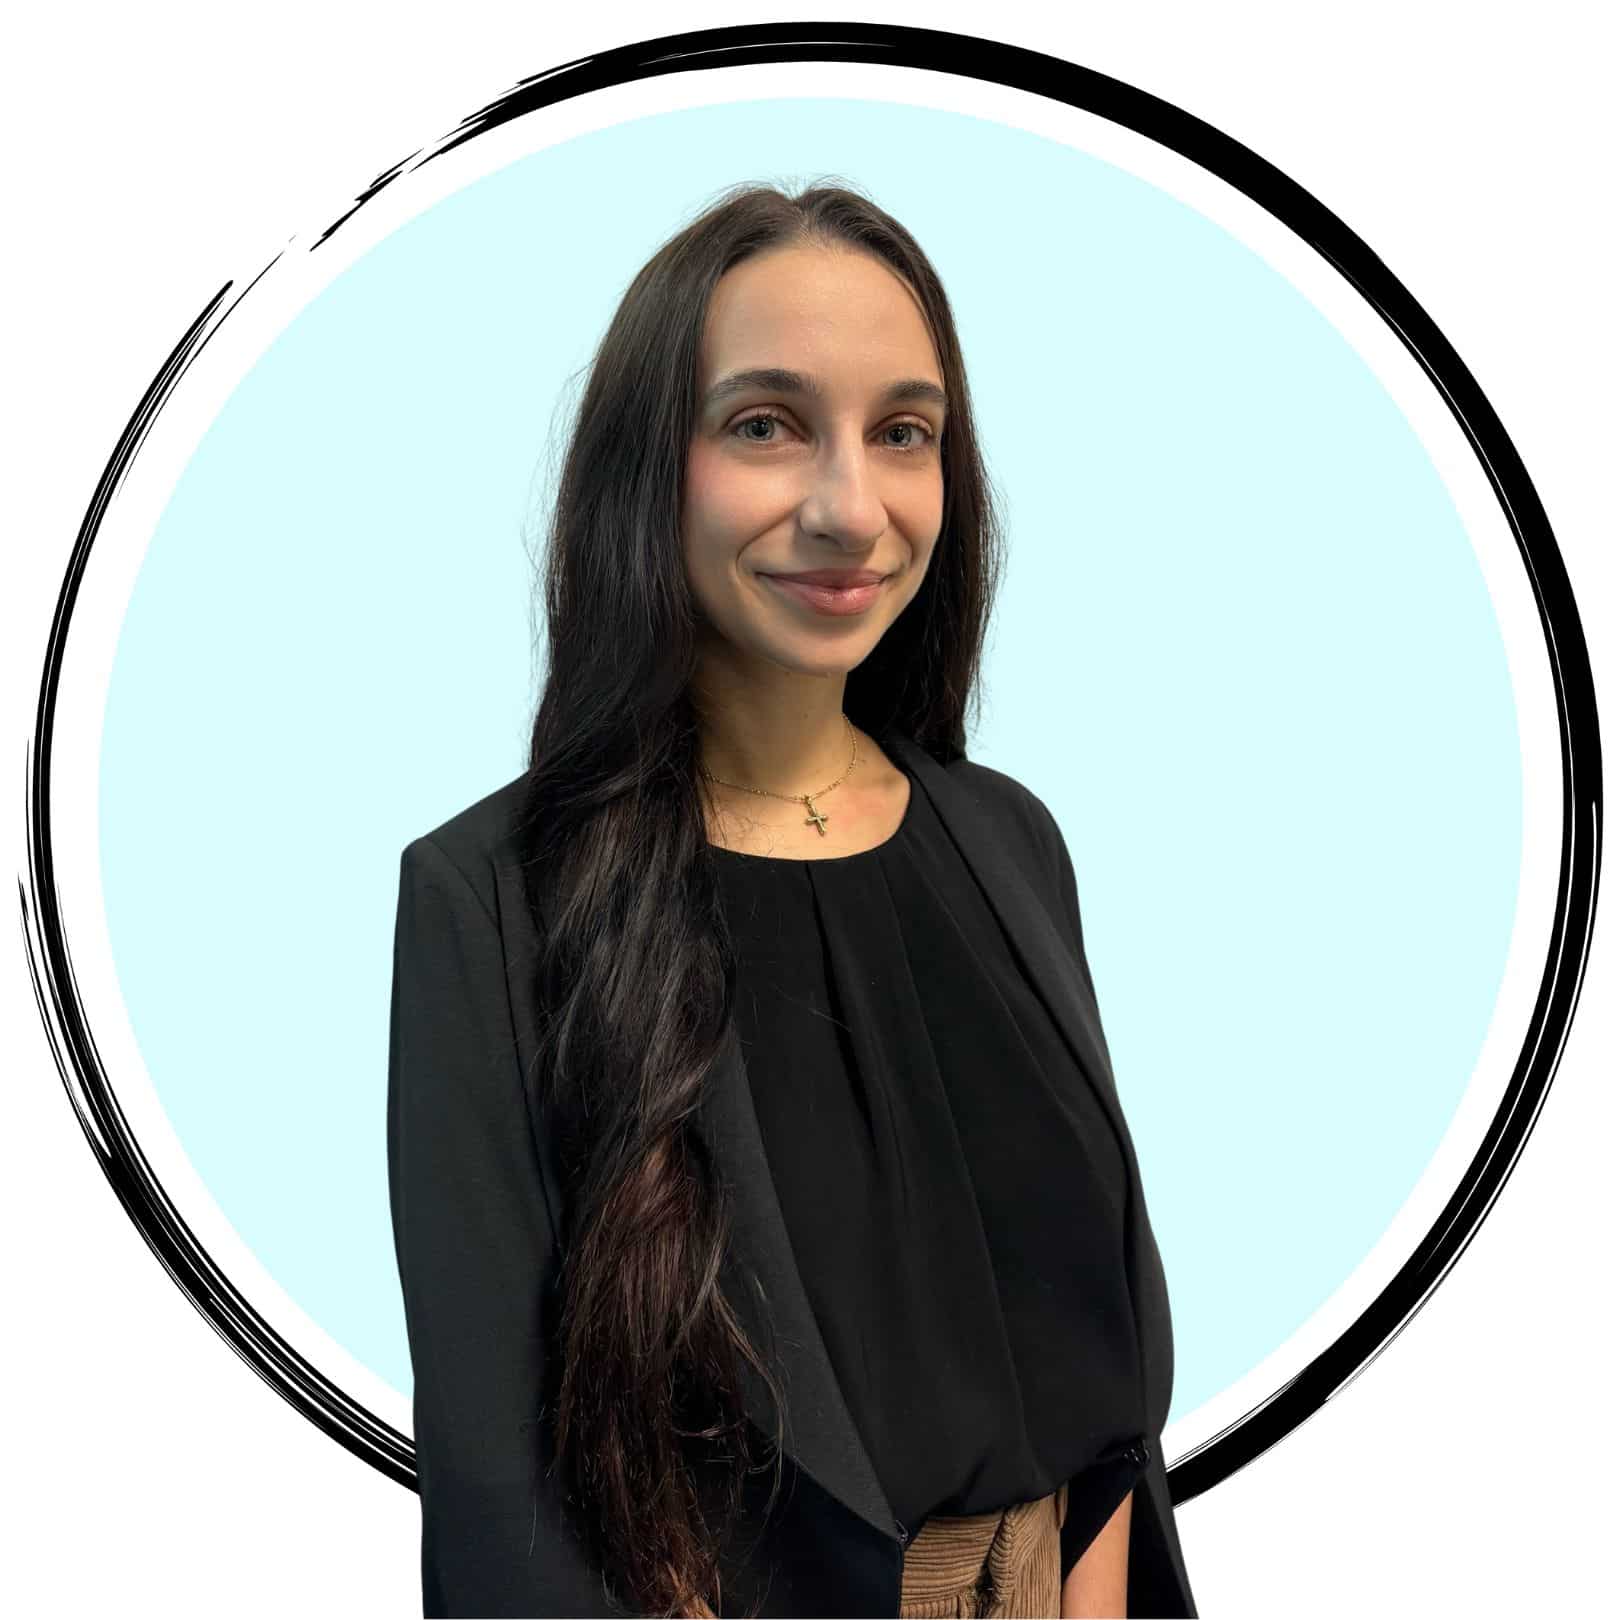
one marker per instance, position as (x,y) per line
(957,1217)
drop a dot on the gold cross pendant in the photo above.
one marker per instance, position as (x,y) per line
(815,816)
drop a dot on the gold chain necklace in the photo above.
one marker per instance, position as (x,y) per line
(817,816)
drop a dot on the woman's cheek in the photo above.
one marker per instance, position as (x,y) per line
(714,494)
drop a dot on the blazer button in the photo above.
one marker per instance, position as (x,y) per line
(904,1534)
(1140,1452)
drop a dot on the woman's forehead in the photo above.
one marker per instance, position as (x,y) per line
(817,314)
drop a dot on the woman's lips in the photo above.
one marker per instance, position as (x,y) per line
(825,598)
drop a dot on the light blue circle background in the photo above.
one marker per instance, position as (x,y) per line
(1244,650)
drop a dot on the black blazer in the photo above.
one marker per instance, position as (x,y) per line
(476,1202)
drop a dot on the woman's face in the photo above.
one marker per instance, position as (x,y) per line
(826,468)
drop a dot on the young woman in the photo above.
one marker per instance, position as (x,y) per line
(770,1235)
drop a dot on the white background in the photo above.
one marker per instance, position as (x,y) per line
(155,152)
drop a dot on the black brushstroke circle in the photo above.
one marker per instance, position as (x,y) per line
(73,1043)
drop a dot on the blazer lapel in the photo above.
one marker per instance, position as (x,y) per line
(1042,950)
(767,1292)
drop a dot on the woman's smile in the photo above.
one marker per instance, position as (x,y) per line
(827,599)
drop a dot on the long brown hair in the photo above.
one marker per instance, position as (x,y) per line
(636,975)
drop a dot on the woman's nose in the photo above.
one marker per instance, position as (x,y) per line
(843,498)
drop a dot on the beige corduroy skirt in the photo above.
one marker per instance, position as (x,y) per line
(1004,1564)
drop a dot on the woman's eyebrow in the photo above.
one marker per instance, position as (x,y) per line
(779,380)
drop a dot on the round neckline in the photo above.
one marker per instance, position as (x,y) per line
(833,860)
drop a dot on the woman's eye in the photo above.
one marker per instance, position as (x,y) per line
(920,434)
(767,417)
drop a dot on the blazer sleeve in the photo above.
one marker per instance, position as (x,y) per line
(475,1247)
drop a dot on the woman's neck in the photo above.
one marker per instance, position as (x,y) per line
(785,732)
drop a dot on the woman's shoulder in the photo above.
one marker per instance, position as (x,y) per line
(480,841)
(1018,813)
(999,792)
(1001,787)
